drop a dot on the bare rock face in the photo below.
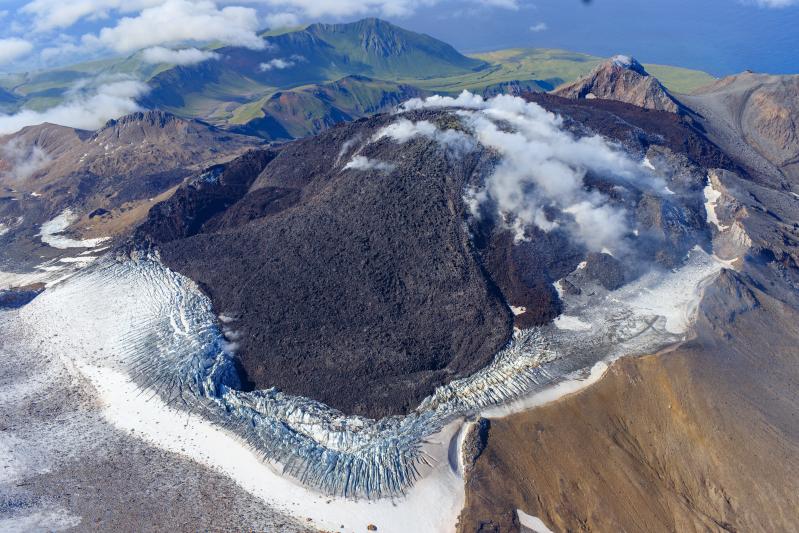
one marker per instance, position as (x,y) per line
(623,79)
(474,442)
(108,179)
(756,118)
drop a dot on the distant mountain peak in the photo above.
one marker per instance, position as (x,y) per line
(626,62)
(624,79)
(373,35)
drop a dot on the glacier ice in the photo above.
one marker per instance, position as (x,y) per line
(132,314)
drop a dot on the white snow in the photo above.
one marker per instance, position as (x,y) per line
(49,273)
(531,523)
(41,519)
(433,504)
(571,323)
(711,199)
(622,61)
(559,288)
(84,260)
(648,164)
(3,229)
(550,394)
(675,297)
(51,231)
(518,310)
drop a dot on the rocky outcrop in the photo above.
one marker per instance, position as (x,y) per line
(116,173)
(755,117)
(624,79)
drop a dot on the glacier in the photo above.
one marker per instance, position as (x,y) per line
(130,314)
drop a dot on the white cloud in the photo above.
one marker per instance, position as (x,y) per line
(539,180)
(404,130)
(775,3)
(360,162)
(12,49)
(539,27)
(23,159)
(54,14)
(185,56)
(389,8)
(82,110)
(178,21)
(276,21)
(276,64)
(280,63)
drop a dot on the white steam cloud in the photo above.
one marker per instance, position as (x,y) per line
(24,160)
(404,130)
(539,180)
(185,56)
(82,110)
(360,162)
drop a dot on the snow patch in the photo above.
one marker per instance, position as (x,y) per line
(531,523)
(622,61)
(712,197)
(51,233)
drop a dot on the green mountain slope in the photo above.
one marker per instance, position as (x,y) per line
(311,109)
(266,89)
(316,54)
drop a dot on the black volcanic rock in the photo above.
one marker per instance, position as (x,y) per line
(359,289)
(367,289)
(606,270)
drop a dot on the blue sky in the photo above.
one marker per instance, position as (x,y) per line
(720,36)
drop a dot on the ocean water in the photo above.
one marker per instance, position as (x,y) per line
(719,36)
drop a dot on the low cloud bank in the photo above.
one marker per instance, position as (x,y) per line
(185,56)
(539,180)
(84,109)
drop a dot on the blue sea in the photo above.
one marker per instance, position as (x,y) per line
(719,36)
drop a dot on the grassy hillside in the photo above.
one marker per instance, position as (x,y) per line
(239,87)
(311,109)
